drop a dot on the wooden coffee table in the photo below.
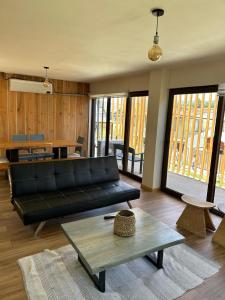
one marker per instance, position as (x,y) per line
(99,249)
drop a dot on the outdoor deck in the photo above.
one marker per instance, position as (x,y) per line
(136,167)
(193,187)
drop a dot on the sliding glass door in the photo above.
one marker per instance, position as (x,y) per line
(194,159)
(191,140)
(219,197)
(99,121)
(138,120)
(118,128)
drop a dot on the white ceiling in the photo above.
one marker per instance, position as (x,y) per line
(86,40)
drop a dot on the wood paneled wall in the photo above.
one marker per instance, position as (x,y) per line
(56,116)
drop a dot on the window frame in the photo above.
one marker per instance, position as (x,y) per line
(126,131)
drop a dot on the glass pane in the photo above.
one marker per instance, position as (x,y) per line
(117,127)
(219,198)
(100,126)
(138,122)
(191,141)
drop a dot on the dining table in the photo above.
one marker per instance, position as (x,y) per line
(59,147)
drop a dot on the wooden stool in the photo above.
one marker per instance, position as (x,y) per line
(219,236)
(195,217)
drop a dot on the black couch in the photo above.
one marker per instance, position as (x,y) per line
(45,190)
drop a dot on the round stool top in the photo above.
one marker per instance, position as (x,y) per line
(195,202)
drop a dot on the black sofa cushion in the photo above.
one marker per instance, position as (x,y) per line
(32,178)
(45,190)
(38,207)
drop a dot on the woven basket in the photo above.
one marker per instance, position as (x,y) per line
(124,224)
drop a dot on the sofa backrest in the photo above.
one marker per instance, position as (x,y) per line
(31,178)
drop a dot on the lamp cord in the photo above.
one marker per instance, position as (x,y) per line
(157,24)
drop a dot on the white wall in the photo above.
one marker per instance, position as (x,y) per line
(197,74)
(155,131)
(158,82)
(121,84)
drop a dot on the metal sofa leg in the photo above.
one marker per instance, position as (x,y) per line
(129,204)
(39,228)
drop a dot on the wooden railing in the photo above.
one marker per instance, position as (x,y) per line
(117,118)
(138,123)
(100,122)
(191,138)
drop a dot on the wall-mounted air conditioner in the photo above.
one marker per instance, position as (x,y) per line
(18,85)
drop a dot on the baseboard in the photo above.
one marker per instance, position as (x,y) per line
(147,188)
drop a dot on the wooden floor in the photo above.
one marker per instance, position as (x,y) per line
(17,240)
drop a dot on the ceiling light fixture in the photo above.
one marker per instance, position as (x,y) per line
(155,52)
(46,83)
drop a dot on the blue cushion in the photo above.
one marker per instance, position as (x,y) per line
(19,137)
(37,137)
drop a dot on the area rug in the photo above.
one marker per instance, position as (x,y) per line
(57,274)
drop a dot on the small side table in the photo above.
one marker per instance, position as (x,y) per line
(219,236)
(195,217)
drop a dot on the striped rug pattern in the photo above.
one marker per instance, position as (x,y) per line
(57,274)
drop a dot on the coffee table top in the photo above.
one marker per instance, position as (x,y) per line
(94,241)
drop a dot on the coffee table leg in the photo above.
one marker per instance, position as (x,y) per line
(99,281)
(159,260)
